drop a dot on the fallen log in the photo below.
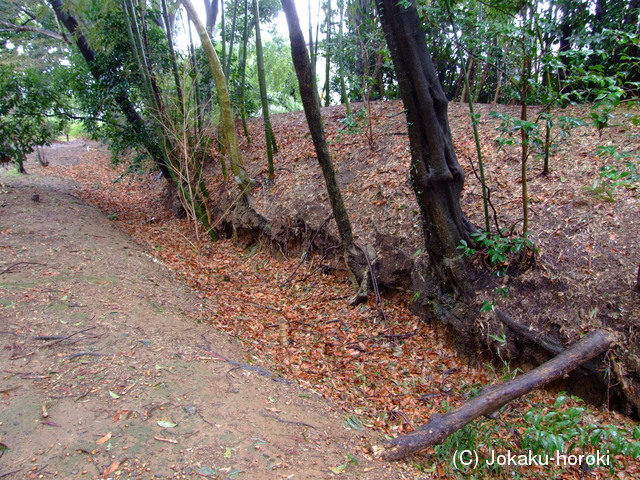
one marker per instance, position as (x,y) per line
(548,343)
(552,346)
(440,426)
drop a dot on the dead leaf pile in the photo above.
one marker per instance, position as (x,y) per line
(389,374)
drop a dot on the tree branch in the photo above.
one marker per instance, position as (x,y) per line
(10,27)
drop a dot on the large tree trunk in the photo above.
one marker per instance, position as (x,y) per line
(354,257)
(436,175)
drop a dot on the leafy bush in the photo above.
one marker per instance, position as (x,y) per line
(496,248)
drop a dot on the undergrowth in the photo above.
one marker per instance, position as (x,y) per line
(545,440)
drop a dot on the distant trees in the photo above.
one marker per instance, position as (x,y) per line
(31,113)
(35,104)
(109,75)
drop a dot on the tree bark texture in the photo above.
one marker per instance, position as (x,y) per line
(264,101)
(494,397)
(436,175)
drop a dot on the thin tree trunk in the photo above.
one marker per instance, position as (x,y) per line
(496,95)
(211,12)
(343,85)
(354,257)
(483,79)
(235,158)
(376,84)
(174,61)
(227,68)
(327,55)
(312,50)
(262,81)
(197,97)
(524,139)
(468,83)
(243,71)
(223,37)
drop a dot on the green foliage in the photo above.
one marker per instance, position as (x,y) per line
(487,306)
(28,106)
(542,430)
(565,430)
(496,249)
(75,130)
(352,124)
(624,172)
(21,48)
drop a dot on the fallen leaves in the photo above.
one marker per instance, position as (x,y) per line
(164,423)
(110,469)
(387,374)
(104,439)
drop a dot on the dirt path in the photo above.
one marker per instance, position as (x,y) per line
(105,372)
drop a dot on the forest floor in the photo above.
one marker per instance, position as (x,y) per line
(148,386)
(108,368)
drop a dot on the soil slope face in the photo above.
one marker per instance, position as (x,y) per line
(106,372)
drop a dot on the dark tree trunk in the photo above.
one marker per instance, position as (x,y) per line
(436,175)
(211,11)
(327,74)
(599,16)
(269,137)
(570,14)
(124,102)
(20,164)
(311,102)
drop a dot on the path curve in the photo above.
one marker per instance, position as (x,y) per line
(105,372)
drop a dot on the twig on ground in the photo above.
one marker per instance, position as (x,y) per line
(82,354)
(168,440)
(204,419)
(288,421)
(10,389)
(2,475)
(17,264)
(58,340)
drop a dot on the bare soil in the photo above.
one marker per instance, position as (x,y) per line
(107,370)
